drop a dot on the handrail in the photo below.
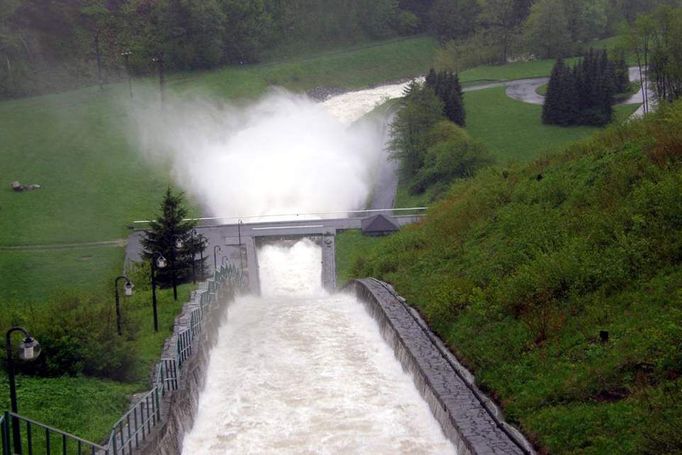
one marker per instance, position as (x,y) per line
(136,424)
(95,448)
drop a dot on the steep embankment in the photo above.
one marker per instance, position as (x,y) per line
(559,283)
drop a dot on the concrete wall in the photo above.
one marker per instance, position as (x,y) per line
(468,418)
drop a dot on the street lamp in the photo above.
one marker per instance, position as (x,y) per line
(158,261)
(215,257)
(128,291)
(126,55)
(29,350)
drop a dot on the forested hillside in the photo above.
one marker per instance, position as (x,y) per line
(62,44)
(559,283)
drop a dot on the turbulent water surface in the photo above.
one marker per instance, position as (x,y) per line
(299,371)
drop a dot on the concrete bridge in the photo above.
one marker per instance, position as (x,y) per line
(239,241)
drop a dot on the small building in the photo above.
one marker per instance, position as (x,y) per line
(379,225)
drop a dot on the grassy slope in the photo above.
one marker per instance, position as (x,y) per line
(520,274)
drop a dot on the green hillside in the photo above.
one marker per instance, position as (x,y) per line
(522,267)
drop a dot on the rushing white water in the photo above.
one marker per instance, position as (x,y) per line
(349,107)
(298,371)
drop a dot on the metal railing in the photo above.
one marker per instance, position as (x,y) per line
(135,426)
(39,438)
(167,375)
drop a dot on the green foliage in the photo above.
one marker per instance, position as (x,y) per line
(421,109)
(452,155)
(520,269)
(546,30)
(446,85)
(453,19)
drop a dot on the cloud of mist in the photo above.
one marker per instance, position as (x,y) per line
(283,154)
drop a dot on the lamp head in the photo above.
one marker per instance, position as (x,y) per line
(29,349)
(161,262)
(128,288)
(179,243)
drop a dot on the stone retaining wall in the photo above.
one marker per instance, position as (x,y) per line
(468,418)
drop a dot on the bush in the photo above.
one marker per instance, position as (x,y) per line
(78,336)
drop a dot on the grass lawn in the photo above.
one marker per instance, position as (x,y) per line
(86,407)
(513,130)
(350,246)
(32,276)
(510,72)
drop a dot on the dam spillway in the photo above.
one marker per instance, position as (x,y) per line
(299,370)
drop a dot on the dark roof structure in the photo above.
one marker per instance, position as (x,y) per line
(379,225)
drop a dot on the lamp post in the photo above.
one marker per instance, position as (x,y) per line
(128,291)
(162,75)
(178,244)
(215,256)
(239,234)
(158,261)
(126,55)
(29,350)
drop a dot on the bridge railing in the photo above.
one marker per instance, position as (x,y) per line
(219,220)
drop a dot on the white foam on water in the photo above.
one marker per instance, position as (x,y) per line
(300,372)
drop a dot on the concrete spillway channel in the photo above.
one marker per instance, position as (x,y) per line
(302,370)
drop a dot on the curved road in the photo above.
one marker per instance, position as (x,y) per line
(525,90)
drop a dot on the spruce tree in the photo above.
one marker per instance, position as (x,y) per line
(551,110)
(163,235)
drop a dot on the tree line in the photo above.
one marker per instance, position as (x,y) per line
(477,32)
(47,46)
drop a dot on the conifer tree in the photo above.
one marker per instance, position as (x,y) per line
(447,87)
(163,235)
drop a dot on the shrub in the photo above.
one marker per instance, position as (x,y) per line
(78,336)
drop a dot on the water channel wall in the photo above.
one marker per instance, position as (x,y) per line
(468,418)
(179,407)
